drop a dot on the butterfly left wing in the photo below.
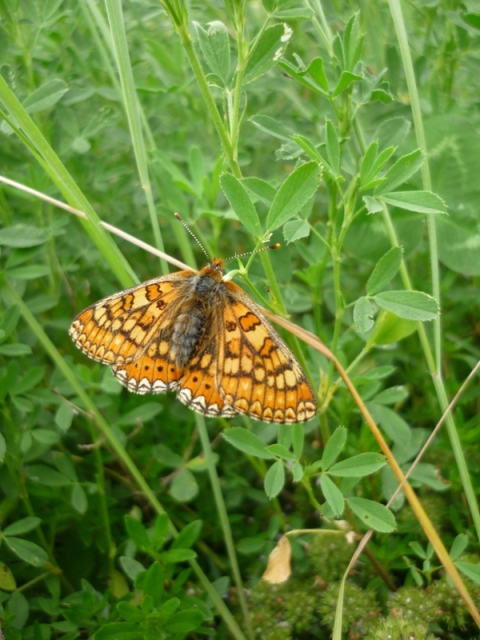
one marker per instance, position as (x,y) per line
(118,329)
(256,372)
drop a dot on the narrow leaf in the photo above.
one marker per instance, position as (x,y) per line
(333,146)
(334,447)
(373,205)
(294,193)
(419,201)
(247,442)
(215,46)
(332,495)
(240,202)
(373,515)
(275,479)
(402,170)
(363,315)
(267,51)
(358,466)
(411,305)
(384,271)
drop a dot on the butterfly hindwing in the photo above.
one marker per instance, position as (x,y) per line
(256,372)
(198,388)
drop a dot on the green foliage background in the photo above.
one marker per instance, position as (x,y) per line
(292,122)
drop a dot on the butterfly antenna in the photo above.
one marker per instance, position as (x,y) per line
(277,245)
(178,217)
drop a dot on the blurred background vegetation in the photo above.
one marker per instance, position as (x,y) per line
(138,109)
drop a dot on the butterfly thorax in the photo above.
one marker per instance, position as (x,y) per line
(203,291)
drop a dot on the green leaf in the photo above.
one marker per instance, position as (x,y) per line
(22,526)
(373,515)
(29,380)
(391,395)
(393,424)
(390,328)
(272,127)
(131,567)
(152,584)
(15,350)
(385,270)
(403,169)
(184,487)
(129,612)
(469,569)
(64,416)
(333,147)
(28,272)
(294,193)
(280,451)
(267,51)
(332,495)
(358,466)
(275,479)
(120,631)
(371,164)
(47,476)
(345,80)
(3,447)
(298,437)
(334,447)
(22,235)
(363,315)
(45,96)
(373,205)
(172,556)
(188,535)
(295,230)
(140,414)
(7,579)
(27,551)
(184,621)
(79,499)
(411,305)
(215,46)
(316,71)
(45,436)
(419,201)
(459,545)
(247,442)
(262,189)
(240,202)
(10,319)
(311,150)
(137,532)
(160,530)
(297,471)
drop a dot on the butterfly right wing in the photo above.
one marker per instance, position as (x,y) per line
(118,329)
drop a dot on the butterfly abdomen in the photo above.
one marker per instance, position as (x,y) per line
(187,332)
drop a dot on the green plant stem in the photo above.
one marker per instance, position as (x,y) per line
(117,28)
(118,449)
(224,522)
(208,98)
(399,24)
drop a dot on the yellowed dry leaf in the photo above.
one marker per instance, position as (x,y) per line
(278,568)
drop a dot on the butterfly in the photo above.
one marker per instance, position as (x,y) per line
(197,334)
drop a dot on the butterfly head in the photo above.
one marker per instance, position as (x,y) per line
(214,269)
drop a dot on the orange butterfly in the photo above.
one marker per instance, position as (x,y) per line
(204,338)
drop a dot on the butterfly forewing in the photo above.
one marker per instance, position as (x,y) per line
(117,329)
